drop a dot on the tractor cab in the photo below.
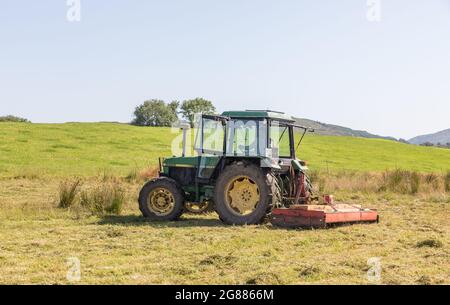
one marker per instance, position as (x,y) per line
(269,136)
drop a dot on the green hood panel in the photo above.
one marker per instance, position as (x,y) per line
(204,161)
(181,162)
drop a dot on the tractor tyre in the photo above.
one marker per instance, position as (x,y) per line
(161,199)
(245,194)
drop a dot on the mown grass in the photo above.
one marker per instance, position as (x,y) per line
(37,237)
(87,149)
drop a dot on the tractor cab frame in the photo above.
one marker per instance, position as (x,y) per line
(243,163)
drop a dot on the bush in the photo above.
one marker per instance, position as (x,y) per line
(12,118)
(105,198)
(68,191)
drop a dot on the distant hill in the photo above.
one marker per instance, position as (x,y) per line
(335,130)
(442,137)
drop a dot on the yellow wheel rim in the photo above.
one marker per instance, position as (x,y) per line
(196,208)
(161,202)
(242,195)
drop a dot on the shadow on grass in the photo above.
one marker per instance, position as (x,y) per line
(137,220)
(184,222)
(193,221)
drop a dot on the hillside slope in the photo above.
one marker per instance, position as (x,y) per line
(335,130)
(442,137)
(87,149)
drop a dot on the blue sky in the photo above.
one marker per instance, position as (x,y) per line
(319,59)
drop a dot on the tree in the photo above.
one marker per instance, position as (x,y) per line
(199,105)
(427,144)
(12,118)
(155,113)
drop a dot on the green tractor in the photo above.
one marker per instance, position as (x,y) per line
(244,166)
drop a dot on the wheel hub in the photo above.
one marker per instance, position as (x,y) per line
(242,195)
(161,201)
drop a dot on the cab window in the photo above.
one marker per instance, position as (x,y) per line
(212,137)
(279,139)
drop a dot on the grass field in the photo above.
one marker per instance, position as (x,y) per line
(412,239)
(92,148)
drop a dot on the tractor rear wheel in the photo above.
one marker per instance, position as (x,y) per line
(161,199)
(245,194)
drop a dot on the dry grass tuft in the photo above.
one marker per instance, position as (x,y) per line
(219,260)
(447,182)
(265,278)
(104,198)
(307,270)
(68,191)
(148,173)
(431,243)
(105,195)
(136,175)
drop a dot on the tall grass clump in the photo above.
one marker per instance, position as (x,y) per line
(401,181)
(135,175)
(149,173)
(396,181)
(447,182)
(104,198)
(432,180)
(67,192)
(317,179)
(414,183)
(132,175)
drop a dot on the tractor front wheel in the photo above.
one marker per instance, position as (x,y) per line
(161,199)
(244,194)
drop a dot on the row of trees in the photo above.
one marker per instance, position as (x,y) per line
(159,113)
(12,118)
(447,145)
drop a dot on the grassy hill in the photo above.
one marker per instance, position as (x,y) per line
(336,130)
(87,149)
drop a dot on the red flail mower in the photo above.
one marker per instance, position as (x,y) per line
(320,215)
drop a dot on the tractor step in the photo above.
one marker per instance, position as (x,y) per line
(321,216)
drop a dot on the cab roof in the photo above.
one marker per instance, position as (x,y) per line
(258,114)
